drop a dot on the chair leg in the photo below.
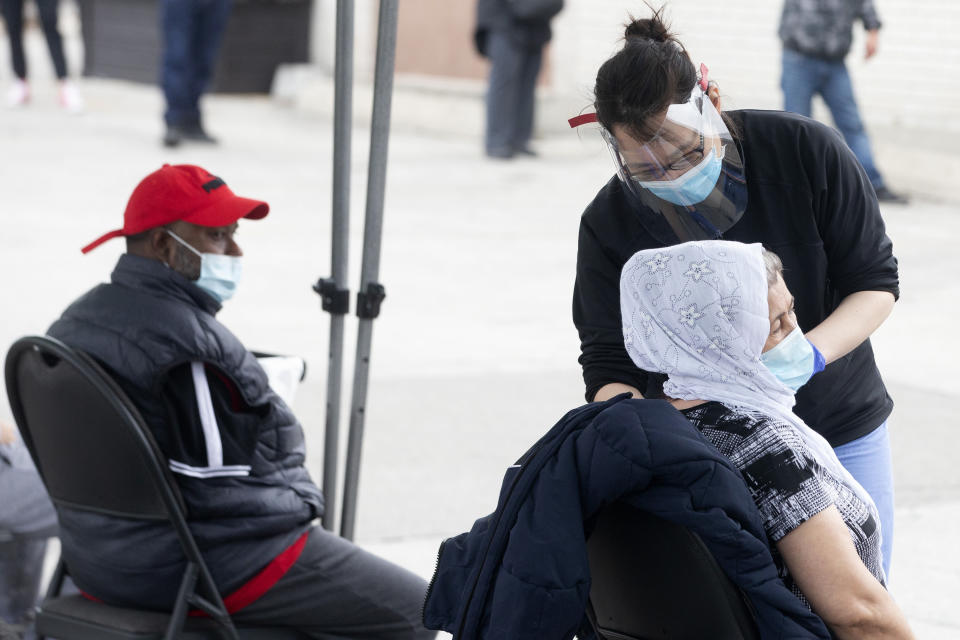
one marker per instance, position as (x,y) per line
(228,630)
(592,625)
(218,613)
(215,606)
(179,614)
(56,585)
(187,595)
(56,581)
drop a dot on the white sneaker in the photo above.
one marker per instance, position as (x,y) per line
(70,98)
(18,94)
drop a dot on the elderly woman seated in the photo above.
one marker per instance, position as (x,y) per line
(717,318)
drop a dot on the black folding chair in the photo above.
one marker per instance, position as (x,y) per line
(94,452)
(656,580)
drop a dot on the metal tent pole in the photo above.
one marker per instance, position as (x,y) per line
(371,293)
(333,291)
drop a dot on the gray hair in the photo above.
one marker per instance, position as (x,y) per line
(773,265)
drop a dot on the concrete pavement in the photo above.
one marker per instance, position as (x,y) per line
(475,355)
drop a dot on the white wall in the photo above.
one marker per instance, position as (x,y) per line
(324,36)
(914,80)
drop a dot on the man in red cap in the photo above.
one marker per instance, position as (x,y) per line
(232,443)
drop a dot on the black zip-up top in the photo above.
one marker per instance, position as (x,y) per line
(148,321)
(811,203)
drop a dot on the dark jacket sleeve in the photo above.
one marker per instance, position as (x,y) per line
(596,314)
(868,13)
(859,252)
(495,15)
(238,423)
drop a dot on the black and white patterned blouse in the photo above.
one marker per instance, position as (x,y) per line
(786,482)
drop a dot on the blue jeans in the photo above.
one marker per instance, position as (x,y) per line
(868,460)
(804,76)
(192,30)
(510,93)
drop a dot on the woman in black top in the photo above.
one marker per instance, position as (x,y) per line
(686,171)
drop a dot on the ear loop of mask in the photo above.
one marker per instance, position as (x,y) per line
(184,243)
(188,246)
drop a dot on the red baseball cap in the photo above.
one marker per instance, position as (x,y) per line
(182,192)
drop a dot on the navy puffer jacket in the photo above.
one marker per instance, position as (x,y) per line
(522,572)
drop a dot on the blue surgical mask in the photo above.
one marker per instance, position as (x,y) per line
(691,187)
(219,274)
(794,360)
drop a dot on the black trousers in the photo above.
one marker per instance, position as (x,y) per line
(338,591)
(510,93)
(13,15)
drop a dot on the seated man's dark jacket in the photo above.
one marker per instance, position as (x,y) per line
(522,572)
(146,322)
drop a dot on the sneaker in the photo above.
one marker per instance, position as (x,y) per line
(70,98)
(500,154)
(196,133)
(18,94)
(173,136)
(885,195)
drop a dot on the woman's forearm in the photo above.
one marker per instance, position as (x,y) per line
(858,316)
(823,562)
(878,620)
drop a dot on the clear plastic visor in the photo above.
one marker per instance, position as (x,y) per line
(689,174)
(684,139)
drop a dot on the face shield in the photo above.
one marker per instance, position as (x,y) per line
(688,174)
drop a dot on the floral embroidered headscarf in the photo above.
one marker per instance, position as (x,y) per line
(698,312)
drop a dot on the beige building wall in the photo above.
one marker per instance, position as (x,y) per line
(435,37)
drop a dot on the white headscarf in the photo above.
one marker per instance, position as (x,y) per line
(698,312)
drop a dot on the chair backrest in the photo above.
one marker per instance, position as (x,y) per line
(94,452)
(89,443)
(654,579)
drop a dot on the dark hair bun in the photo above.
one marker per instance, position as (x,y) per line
(649,29)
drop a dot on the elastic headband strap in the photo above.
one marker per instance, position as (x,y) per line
(586,118)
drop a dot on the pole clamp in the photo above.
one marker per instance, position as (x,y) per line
(333,298)
(368,301)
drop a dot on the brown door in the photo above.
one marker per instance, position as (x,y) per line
(435,38)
